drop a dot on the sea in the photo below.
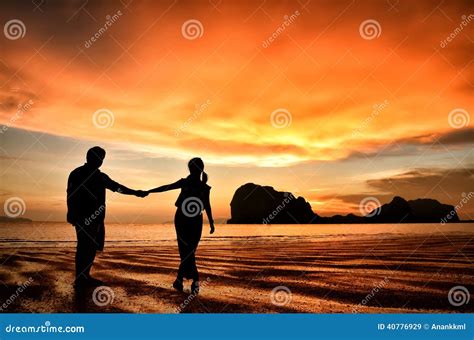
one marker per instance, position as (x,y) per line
(59,234)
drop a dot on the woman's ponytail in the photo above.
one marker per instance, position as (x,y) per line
(204,177)
(196,167)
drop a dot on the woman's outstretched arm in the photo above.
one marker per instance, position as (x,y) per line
(172,186)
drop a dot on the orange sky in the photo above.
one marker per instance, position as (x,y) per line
(361,109)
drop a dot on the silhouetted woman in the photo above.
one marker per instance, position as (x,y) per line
(193,199)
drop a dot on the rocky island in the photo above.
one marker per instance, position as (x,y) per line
(257,204)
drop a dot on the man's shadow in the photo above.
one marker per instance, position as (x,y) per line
(88,300)
(82,299)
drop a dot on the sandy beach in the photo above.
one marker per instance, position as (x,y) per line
(384,273)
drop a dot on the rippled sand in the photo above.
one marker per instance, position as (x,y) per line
(353,273)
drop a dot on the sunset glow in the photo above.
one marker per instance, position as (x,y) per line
(323,110)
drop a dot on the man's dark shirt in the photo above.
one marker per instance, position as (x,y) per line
(86,195)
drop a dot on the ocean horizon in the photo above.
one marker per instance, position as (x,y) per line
(59,234)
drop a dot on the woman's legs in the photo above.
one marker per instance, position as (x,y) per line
(188,233)
(182,255)
(193,270)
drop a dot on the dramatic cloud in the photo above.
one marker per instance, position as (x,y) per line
(461,139)
(319,68)
(281,84)
(448,186)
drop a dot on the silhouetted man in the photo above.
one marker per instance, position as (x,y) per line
(86,211)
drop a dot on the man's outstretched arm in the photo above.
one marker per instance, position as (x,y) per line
(117,187)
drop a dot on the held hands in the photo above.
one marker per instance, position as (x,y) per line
(141,193)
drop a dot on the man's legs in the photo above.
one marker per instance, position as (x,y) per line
(85,254)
